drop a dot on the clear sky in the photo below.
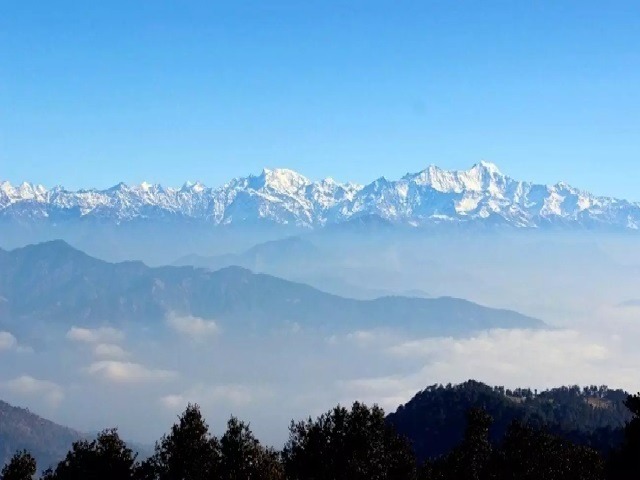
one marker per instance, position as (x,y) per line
(92,93)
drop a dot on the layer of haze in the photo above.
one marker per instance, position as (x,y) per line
(139,377)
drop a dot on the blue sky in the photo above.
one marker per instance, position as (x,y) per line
(92,93)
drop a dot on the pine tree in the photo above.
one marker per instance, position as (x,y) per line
(343,444)
(242,456)
(22,466)
(189,452)
(105,458)
(627,457)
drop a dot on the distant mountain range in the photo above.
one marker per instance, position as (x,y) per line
(481,195)
(266,254)
(53,282)
(297,259)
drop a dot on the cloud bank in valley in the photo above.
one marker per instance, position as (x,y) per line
(537,358)
(274,378)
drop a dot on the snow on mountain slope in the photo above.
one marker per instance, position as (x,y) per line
(482,194)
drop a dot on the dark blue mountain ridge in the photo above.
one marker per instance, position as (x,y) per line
(54,282)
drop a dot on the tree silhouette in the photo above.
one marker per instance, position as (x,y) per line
(528,453)
(188,452)
(243,458)
(343,444)
(22,466)
(105,458)
(626,458)
(470,460)
(476,448)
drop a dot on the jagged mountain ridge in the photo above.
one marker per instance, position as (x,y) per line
(481,194)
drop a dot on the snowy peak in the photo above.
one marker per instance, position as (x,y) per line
(23,192)
(193,187)
(487,167)
(481,194)
(482,177)
(283,180)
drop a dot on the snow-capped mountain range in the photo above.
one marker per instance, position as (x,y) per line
(481,194)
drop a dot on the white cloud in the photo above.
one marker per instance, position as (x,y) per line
(235,395)
(493,347)
(110,350)
(95,335)
(174,402)
(102,340)
(195,327)
(362,336)
(293,327)
(528,358)
(7,341)
(31,387)
(365,338)
(127,372)
(378,337)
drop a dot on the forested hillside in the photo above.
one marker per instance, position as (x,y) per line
(21,429)
(434,420)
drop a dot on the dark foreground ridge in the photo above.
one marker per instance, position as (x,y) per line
(434,420)
(360,443)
